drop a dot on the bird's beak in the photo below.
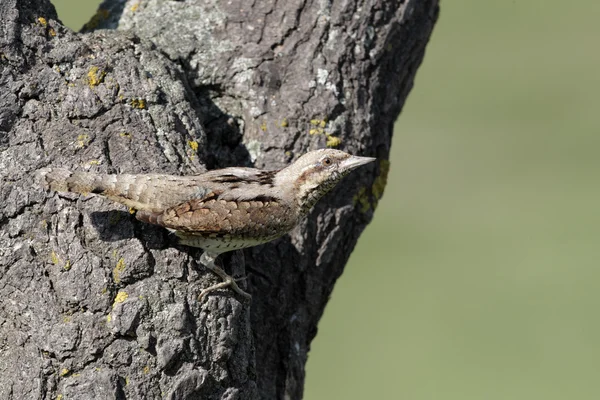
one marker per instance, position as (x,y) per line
(354,162)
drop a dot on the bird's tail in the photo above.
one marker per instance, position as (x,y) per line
(150,192)
(124,189)
(63,180)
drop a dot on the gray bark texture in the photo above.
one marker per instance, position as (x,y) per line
(96,305)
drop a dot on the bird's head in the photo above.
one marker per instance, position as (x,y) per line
(317,172)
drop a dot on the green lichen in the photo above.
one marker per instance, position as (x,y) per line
(100,16)
(381,181)
(114,218)
(362,199)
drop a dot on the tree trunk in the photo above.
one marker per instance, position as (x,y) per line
(95,305)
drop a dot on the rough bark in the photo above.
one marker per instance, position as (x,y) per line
(97,305)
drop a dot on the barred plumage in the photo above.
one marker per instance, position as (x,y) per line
(220,210)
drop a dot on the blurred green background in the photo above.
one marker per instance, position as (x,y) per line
(479,277)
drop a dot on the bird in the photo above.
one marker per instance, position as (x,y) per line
(220,210)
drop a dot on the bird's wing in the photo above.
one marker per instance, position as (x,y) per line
(212,215)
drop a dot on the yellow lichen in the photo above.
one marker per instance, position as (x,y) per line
(64,371)
(314,132)
(263,126)
(193,144)
(42,21)
(67,319)
(109,318)
(125,135)
(51,32)
(95,76)
(333,141)
(284,123)
(118,270)
(120,297)
(67,265)
(138,103)
(321,123)
(134,7)
(83,140)
(132,210)
(146,370)
(94,162)
(54,258)
(59,397)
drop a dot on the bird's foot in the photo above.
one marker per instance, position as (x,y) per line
(228,281)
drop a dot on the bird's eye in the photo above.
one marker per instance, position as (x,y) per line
(327,161)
